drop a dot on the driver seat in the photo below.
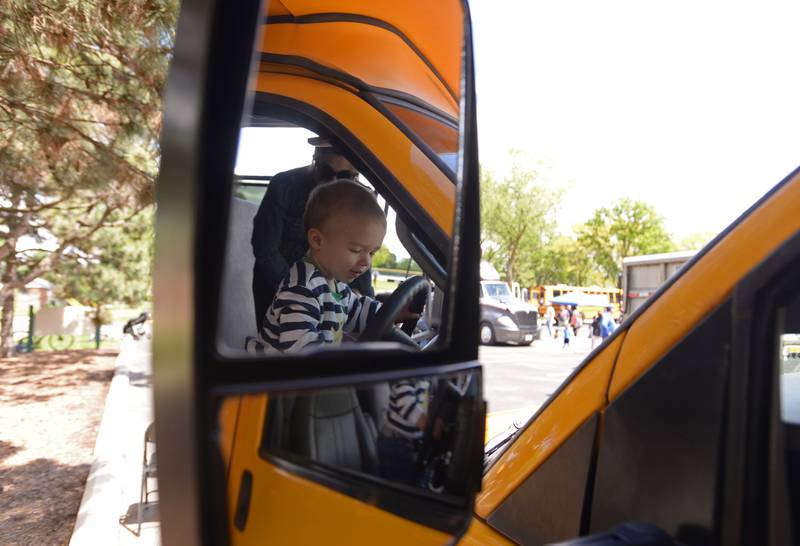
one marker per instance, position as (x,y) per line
(329,427)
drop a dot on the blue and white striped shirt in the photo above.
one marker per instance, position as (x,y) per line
(408,401)
(309,310)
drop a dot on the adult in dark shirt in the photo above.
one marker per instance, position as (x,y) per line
(279,239)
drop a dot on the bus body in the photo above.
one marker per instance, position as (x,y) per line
(544,295)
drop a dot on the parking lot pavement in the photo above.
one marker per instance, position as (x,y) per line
(524,377)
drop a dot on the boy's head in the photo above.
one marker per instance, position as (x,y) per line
(345,227)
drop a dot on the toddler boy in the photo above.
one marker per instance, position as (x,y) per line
(314,304)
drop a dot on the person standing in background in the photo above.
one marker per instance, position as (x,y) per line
(279,239)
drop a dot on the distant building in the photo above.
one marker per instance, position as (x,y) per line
(37,293)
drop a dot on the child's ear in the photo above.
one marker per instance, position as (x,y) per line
(314,238)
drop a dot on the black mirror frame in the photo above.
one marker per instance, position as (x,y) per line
(205,98)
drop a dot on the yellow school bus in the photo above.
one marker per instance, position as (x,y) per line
(545,294)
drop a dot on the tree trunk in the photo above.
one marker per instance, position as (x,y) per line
(8,284)
(98,323)
(510,265)
(7,325)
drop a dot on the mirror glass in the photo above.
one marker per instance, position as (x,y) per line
(419,435)
(345,181)
(789,362)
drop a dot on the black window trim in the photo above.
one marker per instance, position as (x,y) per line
(394,101)
(754,402)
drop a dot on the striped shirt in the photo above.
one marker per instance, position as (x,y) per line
(408,401)
(309,310)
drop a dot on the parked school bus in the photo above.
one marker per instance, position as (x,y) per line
(547,293)
(682,424)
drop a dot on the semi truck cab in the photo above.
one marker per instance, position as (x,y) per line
(504,317)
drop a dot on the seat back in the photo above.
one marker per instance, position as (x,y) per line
(374,402)
(237,311)
(329,427)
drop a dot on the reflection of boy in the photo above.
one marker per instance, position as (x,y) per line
(401,435)
(314,305)
(278,238)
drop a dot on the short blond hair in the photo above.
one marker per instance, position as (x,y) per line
(341,198)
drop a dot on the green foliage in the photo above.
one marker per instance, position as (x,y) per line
(407,264)
(80,118)
(254,194)
(80,106)
(384,258)
(518,223)
(565,261)
(627,228)
(695,241)
(114,266)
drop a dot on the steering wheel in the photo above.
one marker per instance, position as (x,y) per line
(381,326)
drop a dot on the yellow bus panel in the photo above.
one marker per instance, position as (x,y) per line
(706,284)
(582,396)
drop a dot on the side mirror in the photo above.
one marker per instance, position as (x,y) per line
(393,85)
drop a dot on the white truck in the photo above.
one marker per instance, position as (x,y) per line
(642,275)
(504,317)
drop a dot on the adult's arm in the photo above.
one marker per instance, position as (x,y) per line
(268,227)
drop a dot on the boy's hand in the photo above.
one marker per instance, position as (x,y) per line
(438,426)
(406,314)
(438,429)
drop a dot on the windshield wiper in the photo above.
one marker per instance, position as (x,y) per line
(502,442)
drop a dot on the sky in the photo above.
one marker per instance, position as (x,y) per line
(689,106)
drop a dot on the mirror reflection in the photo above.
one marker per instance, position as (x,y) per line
(789,363)
(412,432)
(344,185)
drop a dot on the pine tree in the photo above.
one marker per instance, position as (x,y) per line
(80,116)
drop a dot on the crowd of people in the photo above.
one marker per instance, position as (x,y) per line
(569,322)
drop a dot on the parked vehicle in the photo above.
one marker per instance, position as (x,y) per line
(504,317)
(600,298)
(642,275)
